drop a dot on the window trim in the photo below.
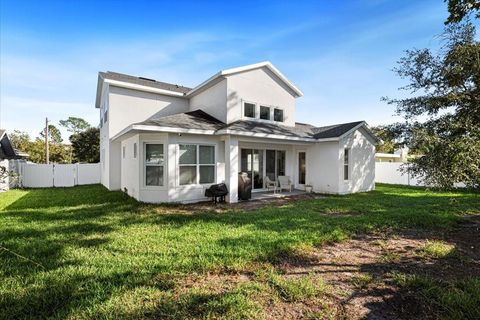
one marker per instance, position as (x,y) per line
(144,166)
(346,163)
(255,116)
(198,164)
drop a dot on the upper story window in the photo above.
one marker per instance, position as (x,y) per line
(249,110)
(278,115)
(264,113)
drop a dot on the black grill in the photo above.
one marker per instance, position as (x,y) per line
(217,191)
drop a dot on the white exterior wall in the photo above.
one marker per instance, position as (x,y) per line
(212,100)
(130,167)
(322,162)
(361,164)
(153,193)
(125,107)
(129,106)
(104,140)
(172,191)
(260,86)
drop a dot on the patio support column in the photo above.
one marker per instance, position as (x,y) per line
(231,168)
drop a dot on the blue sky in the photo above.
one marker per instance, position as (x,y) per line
(339,53)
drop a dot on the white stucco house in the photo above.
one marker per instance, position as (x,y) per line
(162,142)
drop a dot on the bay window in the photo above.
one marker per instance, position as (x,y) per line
(196,164)
(154,164)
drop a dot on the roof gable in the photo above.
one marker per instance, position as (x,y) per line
(227,72)
(6,149)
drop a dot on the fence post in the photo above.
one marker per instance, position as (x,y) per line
(75,180)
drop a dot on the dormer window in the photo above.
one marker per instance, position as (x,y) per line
(278,115)
(249,110)
(264,113)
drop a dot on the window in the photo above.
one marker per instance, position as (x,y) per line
(345,163)
(278,115)
(154,164)
(264,113)
(302,166)
(249,110)
(196,164)
(135,150)
(123,152)
(188,164)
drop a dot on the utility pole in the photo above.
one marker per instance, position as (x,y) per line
(47,156)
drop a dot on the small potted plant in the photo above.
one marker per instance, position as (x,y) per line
(308,188)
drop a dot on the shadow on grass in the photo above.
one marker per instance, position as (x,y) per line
(44,223)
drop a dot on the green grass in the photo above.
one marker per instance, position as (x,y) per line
(296,289)
(85,252)
(437,249)
(453,299)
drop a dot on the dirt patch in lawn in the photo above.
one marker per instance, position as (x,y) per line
(354,279)
(362,270)
(209,206)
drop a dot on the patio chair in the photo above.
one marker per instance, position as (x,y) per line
(270,184)
(285,183)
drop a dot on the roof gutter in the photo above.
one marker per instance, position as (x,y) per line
(140,127)
(262,135)
(140,87)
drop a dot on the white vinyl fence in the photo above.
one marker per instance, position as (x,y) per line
(34,175)
(389,172)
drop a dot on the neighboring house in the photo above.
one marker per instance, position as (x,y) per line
(7,153)
(399,155)
(162,142)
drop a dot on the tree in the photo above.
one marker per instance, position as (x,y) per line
(388,135)
(459,9)
(54,135)
(20,140)
(86,145)
(59,153)
(445,90)
(75,125)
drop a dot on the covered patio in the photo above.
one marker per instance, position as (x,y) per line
(270,195)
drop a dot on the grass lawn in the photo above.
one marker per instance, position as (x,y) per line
(84,252)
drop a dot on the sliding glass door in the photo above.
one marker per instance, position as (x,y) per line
(270,164)
(252,163)
(259,163)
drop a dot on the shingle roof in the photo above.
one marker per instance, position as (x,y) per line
(201,120)
(144,82)
(6,149)
(335,130)
(197,119)
(301,130)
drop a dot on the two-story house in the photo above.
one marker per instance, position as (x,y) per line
(162,142)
